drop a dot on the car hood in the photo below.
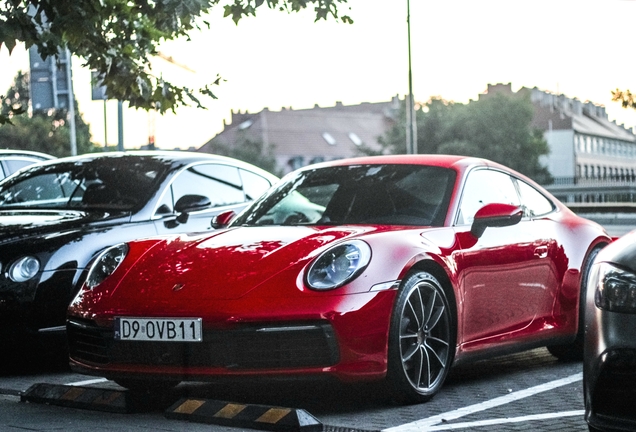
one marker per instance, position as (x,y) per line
(621,252)
(21,224)
(223,266)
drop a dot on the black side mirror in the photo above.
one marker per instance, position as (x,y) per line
(495,215)
(189,203)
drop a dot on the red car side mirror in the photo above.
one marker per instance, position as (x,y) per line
(495,215)
(223,219)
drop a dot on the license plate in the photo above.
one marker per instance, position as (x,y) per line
(158,329)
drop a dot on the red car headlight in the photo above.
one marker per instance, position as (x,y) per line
(615,289)
(106,264)
(338,265)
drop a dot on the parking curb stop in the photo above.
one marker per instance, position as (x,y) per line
(79,397)
(243,415)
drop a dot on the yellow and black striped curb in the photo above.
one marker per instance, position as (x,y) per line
(240,415)
(79,397)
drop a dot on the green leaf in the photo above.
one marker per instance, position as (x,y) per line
(118,38)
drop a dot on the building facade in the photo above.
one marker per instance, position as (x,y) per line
(592,159)
(298,137)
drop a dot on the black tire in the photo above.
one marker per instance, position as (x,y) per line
(146,386)
(421,340)
(574,351)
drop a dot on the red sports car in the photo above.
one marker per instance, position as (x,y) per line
(388,268)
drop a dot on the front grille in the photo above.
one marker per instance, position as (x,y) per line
(290,345)
(615,392)
(88,342)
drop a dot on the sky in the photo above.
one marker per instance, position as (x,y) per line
(583,49)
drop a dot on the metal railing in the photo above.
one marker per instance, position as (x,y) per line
(625,180)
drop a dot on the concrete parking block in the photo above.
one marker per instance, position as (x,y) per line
(242,415)
(78,397)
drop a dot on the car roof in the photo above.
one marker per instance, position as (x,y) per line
(168,156)
(459,163)
(27,153)
(441,160)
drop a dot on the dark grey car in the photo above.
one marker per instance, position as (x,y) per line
(609,370)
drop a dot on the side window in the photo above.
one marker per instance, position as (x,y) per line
(253,184)
(485,187)
(166,205)
(534,203)
(47,189)
(15,164)
(220,183)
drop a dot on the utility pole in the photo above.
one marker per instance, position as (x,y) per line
(71,103)
(411,129)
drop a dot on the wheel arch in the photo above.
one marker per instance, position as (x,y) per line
(440,273)
(434,268)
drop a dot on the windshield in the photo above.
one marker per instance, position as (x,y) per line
(122,183)
(361,194)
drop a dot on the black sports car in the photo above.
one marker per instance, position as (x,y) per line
(55,217)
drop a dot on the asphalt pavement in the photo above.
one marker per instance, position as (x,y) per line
(527,391)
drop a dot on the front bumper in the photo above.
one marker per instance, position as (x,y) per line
(284,345)
(37,308)
(348,342)
(610,370)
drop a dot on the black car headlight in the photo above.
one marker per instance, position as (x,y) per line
(615,289)
(106,264)
(24,269)
(338,265)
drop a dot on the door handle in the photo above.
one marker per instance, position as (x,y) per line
(541,252)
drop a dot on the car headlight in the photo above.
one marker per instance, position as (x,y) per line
(338,265)
(615,289)
(106,264)
(24,269)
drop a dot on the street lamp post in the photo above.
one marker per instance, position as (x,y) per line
(411,130)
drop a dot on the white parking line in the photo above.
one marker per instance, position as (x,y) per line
(88,382)
(470,425)
(428,423)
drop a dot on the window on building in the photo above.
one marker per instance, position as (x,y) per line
(246,124)
(329,138)
(355,139)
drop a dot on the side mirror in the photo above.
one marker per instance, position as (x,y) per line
(495,215)
(223,219)
(190,203)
